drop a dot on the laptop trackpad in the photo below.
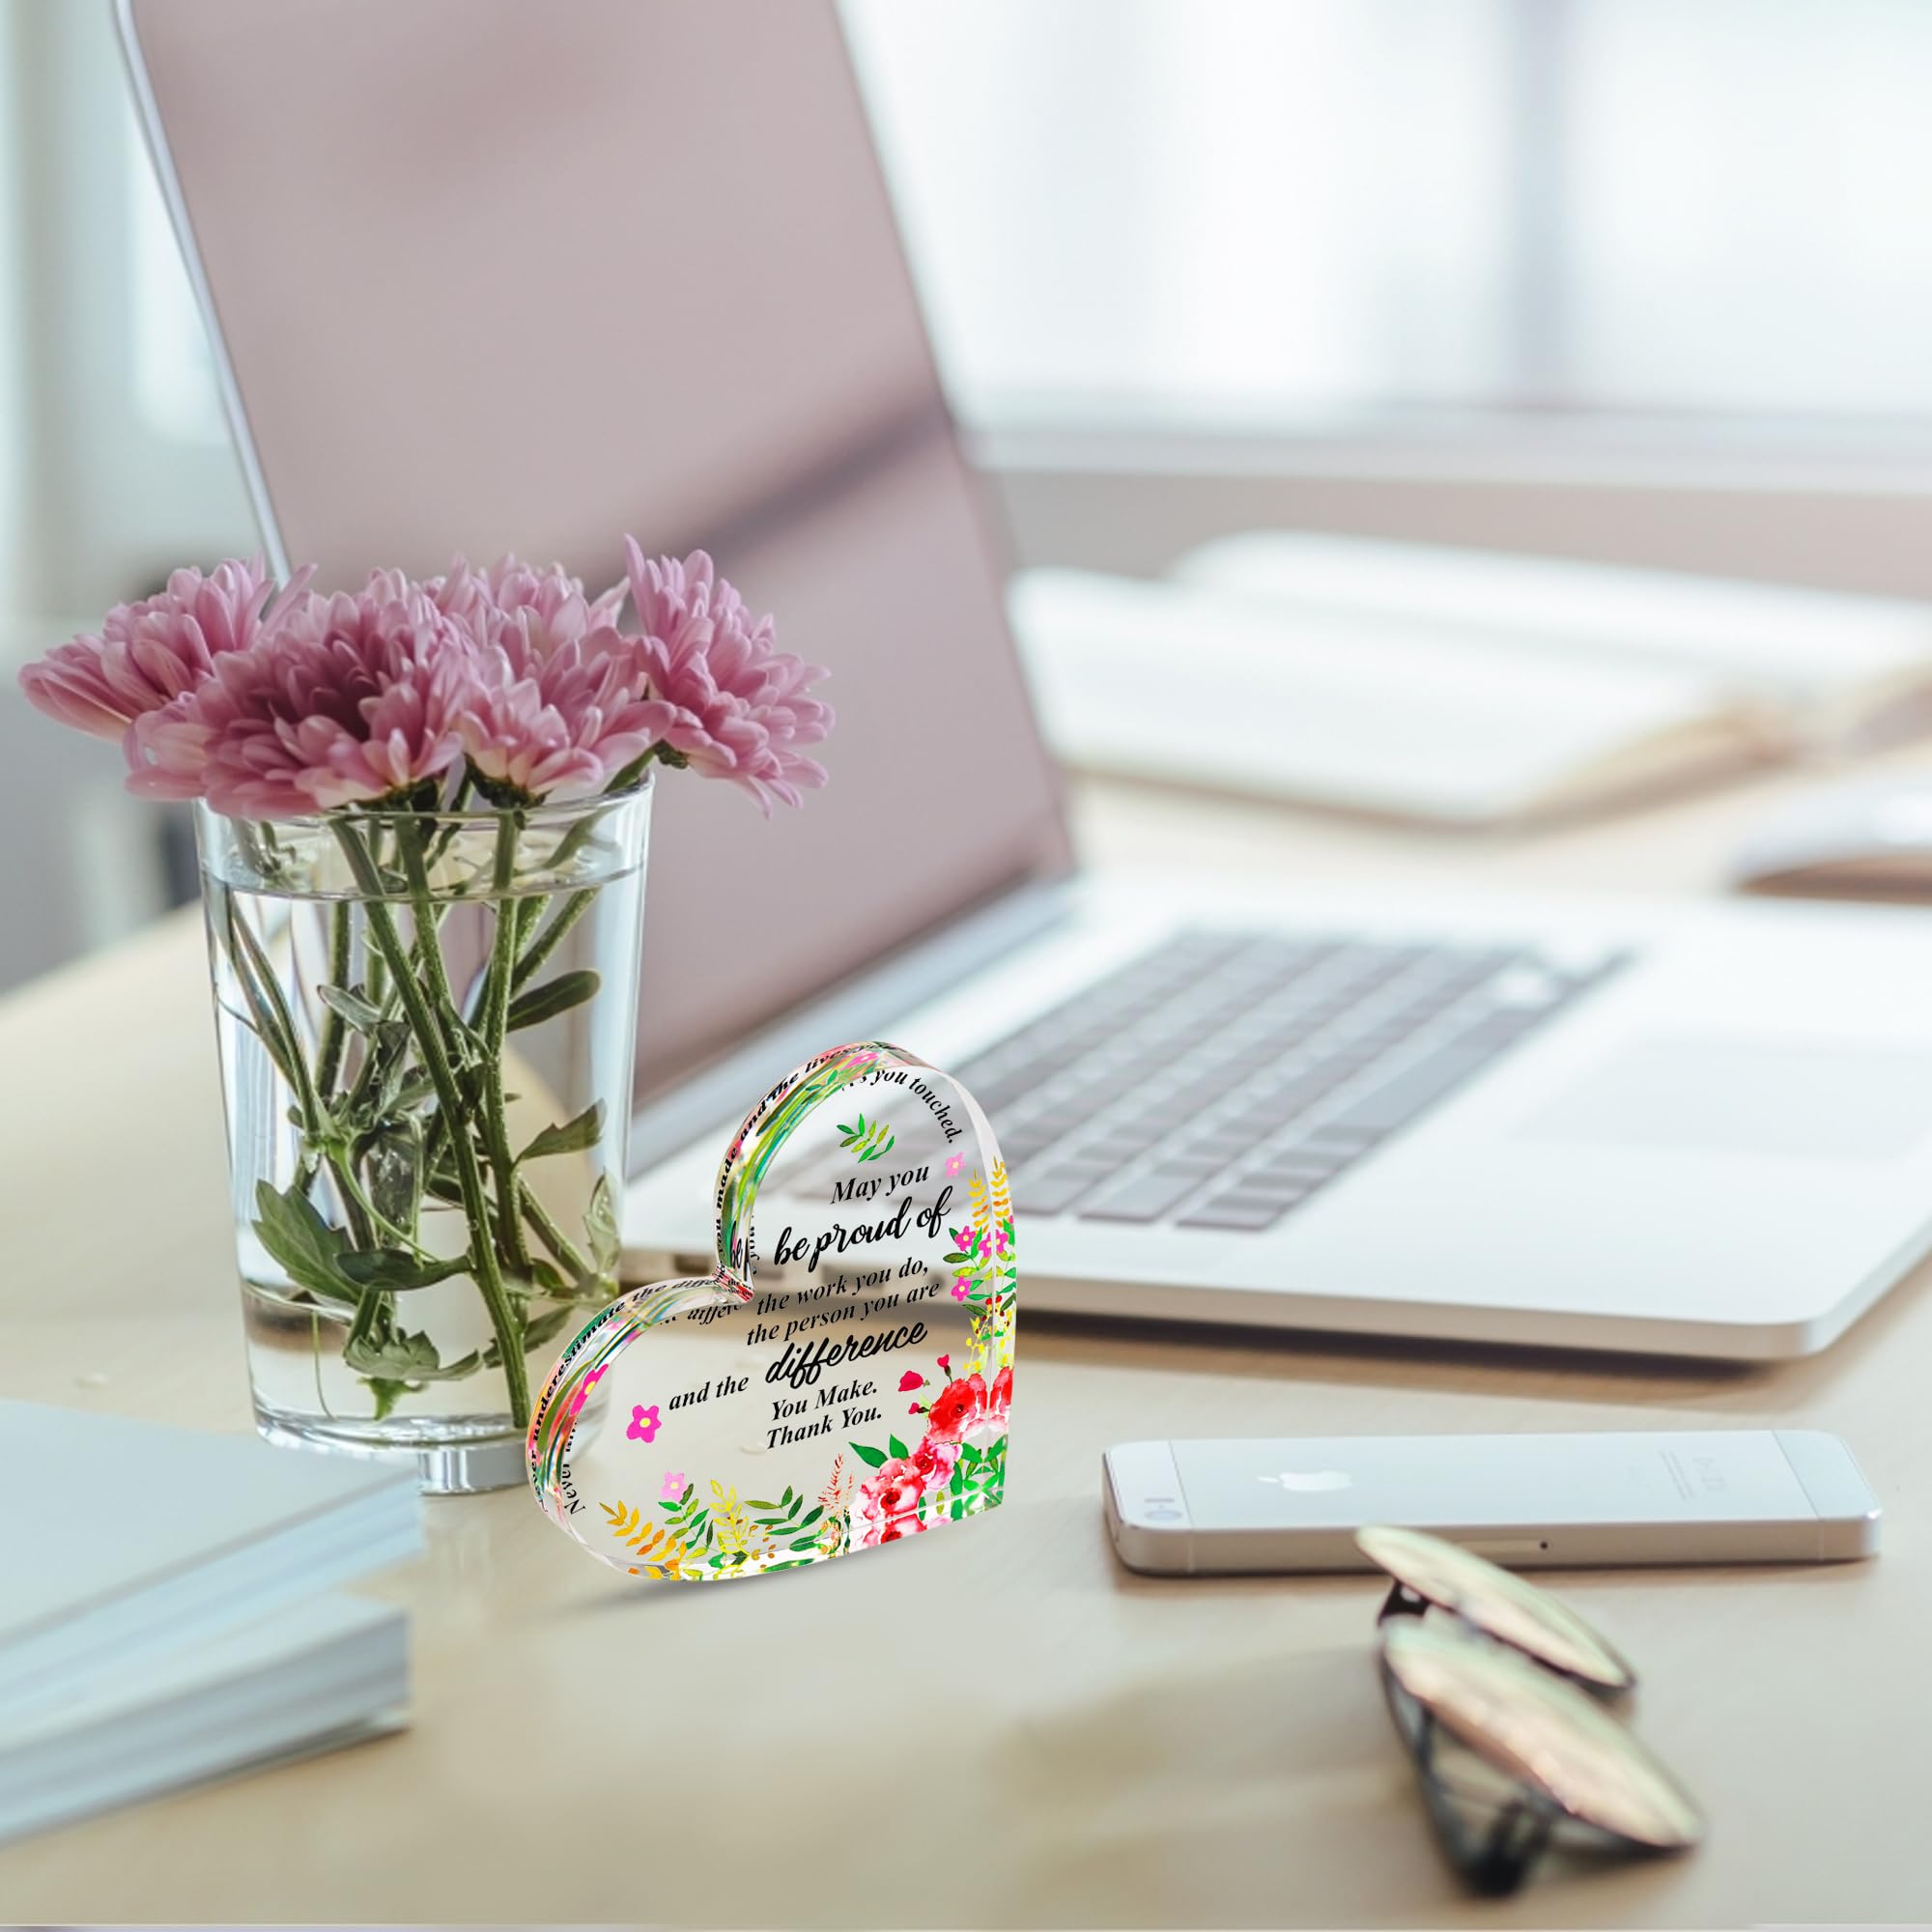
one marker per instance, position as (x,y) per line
(1818,1102)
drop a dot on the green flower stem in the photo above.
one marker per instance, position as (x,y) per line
(428,1029)
(551,1235)
(329,1051)
(275,1023)
(495,1028)
(372,1311)
(551,937)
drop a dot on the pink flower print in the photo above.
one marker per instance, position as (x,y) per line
(960,1291)
(955,1166)
(582,1394)
(910,1380)
(673,1485)
(643,1424)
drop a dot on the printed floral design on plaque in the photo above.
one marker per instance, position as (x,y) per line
(842,1382)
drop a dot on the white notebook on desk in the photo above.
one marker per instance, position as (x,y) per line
(305,1678)
(1458,686)
(168,1607)
(121,1536)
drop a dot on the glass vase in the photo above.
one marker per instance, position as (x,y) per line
(426,1023)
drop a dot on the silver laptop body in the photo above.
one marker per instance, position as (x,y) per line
(667,294)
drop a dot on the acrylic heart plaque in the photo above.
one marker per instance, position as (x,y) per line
(842,1382)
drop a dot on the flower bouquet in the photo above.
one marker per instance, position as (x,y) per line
(421,812)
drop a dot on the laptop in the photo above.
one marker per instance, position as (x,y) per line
(487,275)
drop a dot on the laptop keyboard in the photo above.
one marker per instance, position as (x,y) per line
(1222,1079)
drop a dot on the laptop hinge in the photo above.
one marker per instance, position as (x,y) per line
(722,1091)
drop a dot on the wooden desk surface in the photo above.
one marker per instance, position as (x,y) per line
(996,1725)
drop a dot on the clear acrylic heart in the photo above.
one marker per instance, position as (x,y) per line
(842,1382)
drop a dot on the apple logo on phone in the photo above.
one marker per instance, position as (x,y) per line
(1310,1479)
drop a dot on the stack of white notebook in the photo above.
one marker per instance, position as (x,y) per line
(169,1609)
(1460,686)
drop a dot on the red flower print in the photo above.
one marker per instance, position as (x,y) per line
(959,1408)
(946,1363)
(910,1380)
(887,1507)
(1000,1397)
(934,1461)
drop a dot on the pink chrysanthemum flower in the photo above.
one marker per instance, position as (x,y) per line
(148,654)
(548,607)
(549,718)
(730,705)
(544,607)
(352,698)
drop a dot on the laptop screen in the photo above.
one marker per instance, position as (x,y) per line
(496,276)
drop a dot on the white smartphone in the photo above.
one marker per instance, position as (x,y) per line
(1757,1496)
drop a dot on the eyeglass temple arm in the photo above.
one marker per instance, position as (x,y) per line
(1402,1602)
(1495,1861)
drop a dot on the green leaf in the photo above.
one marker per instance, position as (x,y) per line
(442,1182)
(572,1137)
(360,1013)
(895,1447)
(536,1004)
(405,1357)
(544,1328)
(393,1166)
(393,1271)
(804,1543)
(875,1457)
(810,1517)
(388,1057)
(546,1280)
(386,1393)
(309,1250)
(753,1503)
(600,1221)
(415,1087)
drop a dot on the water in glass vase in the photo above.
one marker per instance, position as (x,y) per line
(426,1025)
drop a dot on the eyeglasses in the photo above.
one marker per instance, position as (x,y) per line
(1502,1702)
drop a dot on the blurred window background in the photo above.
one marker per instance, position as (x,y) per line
(1255,210)
(1623,278)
